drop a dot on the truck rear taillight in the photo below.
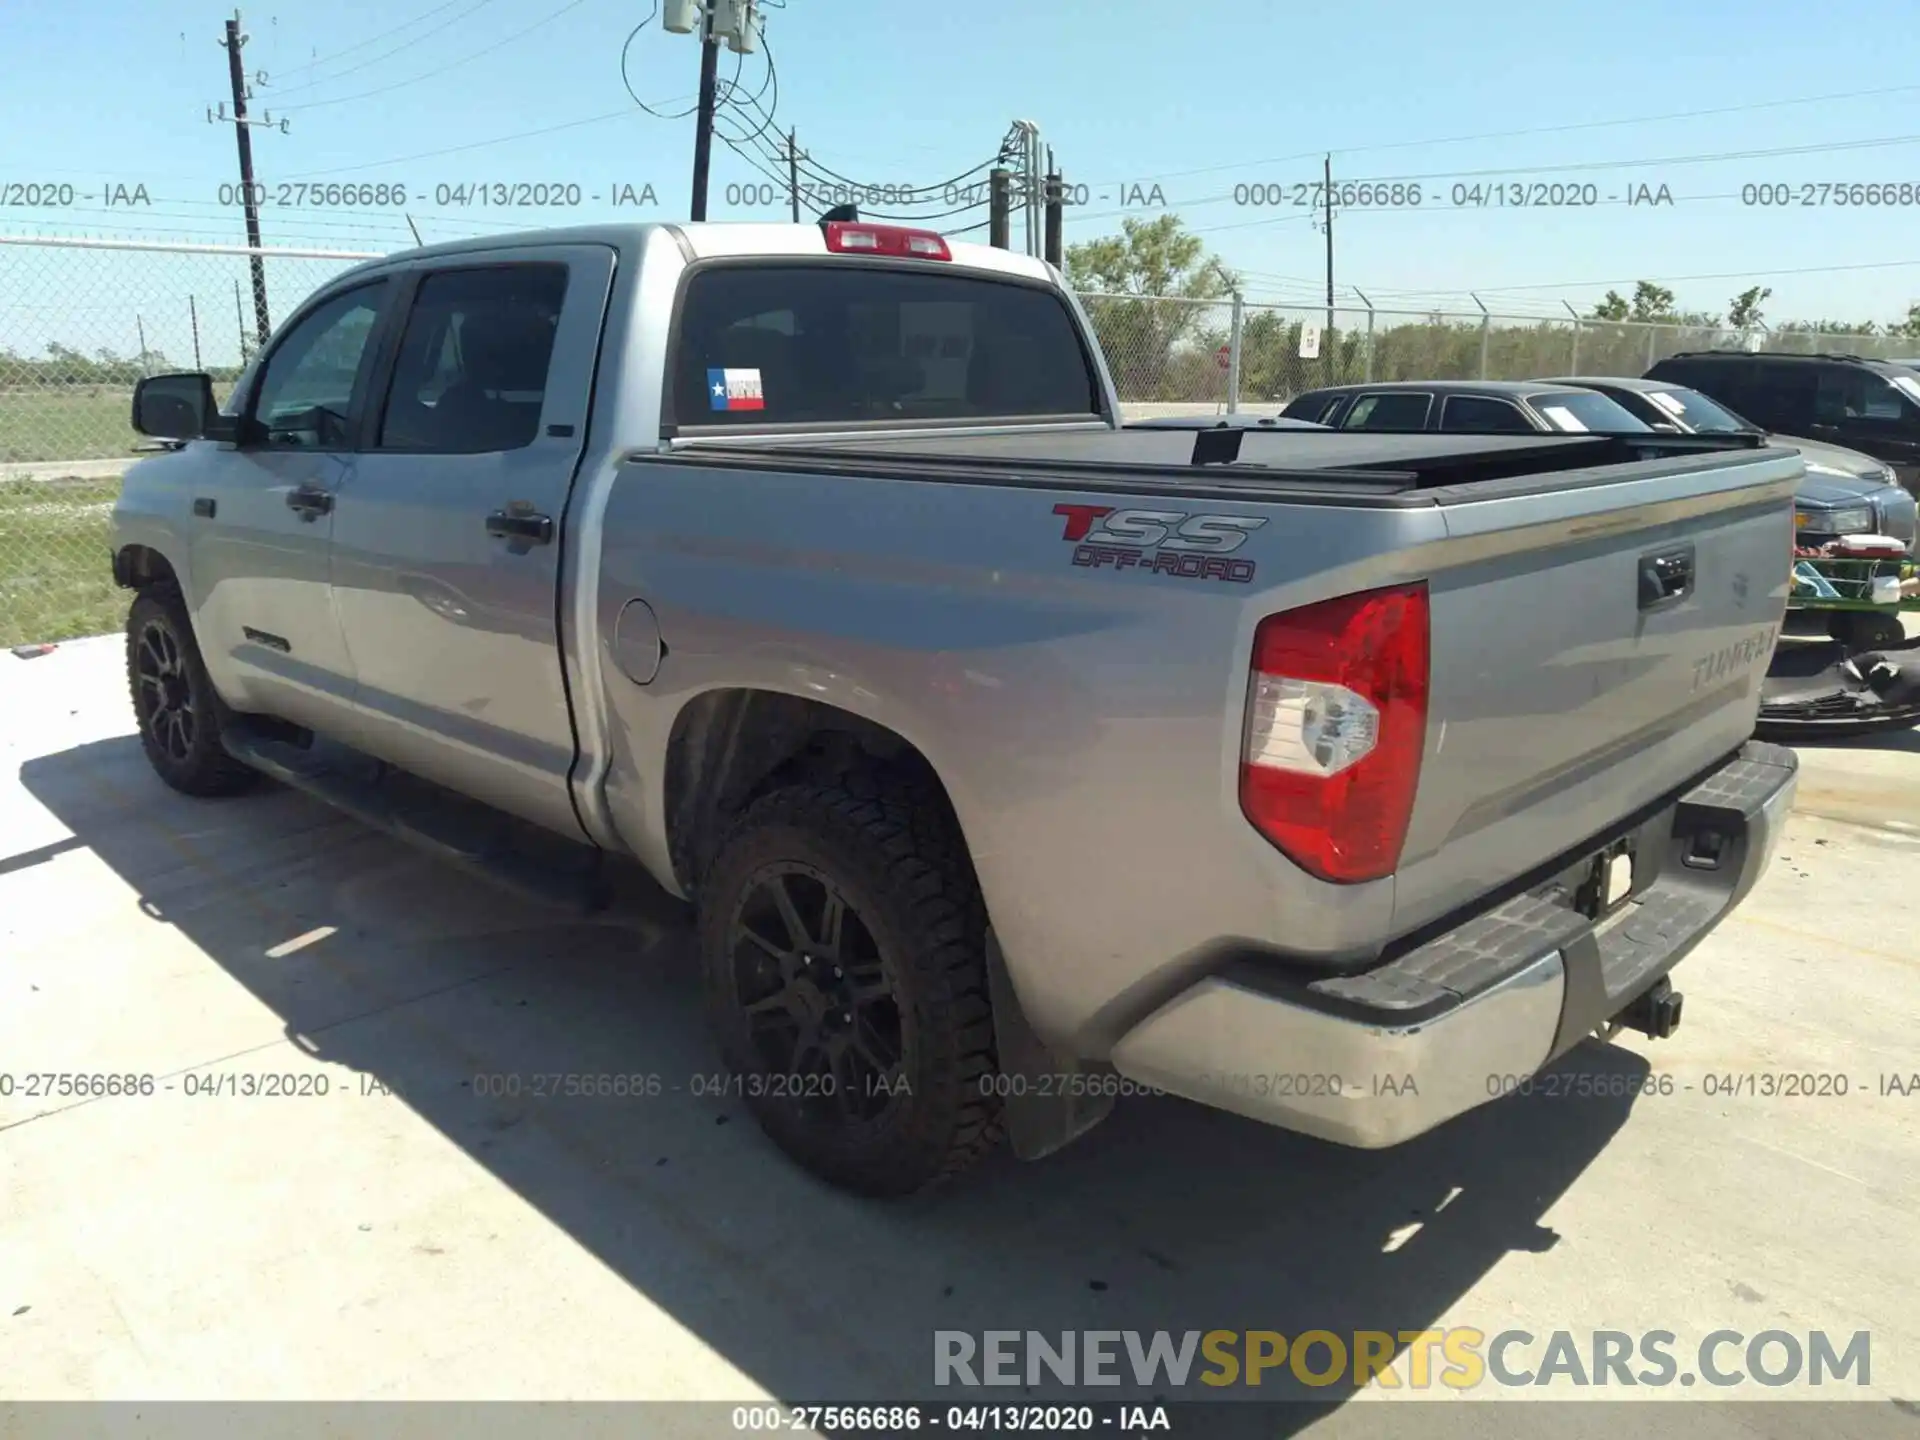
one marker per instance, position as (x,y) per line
(856,237)
(1336,722)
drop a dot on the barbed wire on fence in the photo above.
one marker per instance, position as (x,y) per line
(82,320)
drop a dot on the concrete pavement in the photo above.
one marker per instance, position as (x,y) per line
(410,1234)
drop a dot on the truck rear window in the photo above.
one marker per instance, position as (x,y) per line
(838,343)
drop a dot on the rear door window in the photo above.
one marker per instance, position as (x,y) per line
(1847,394)
(838,343)
(1482,415)
(472,371)
(1398,410)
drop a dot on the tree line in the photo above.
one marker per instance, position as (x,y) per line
(62,365)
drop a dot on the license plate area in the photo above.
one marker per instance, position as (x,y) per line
(1608,881)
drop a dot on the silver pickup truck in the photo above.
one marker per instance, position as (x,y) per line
(1008,759)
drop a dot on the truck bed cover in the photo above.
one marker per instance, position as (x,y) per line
(1347,464)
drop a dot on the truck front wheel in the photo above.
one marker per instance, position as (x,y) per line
(174,703)
(843,941)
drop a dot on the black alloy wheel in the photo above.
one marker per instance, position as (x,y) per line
(817,994)
(166,690)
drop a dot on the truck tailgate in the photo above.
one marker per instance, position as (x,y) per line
(1592,650)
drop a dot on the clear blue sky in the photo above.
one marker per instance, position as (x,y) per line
(1195,99)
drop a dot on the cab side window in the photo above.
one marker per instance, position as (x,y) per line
(471,375)
(1394,410)
(1848,394)
(305,397)
(1482,415)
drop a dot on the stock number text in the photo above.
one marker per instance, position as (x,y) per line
(1818,193)
(69,1085)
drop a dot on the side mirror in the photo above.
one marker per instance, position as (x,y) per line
(177,407)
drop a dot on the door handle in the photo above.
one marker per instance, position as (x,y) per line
(536,528)
(309,502)
(1665,577)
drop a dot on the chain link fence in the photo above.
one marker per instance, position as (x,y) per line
(1173,356)
(82,320)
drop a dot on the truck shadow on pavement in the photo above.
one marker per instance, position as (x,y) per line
(459,999)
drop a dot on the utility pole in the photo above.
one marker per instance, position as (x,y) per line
(1000,208)
(703,134)
(249,196)
(738,23)
(1326,196)
(793,176)
(1056,202)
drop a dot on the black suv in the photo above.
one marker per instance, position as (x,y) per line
(1868,405)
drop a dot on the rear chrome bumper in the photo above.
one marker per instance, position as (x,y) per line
(1379,1057)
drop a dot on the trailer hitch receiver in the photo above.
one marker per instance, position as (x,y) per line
(1656,1013)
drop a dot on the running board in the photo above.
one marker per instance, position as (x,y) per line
(517,856)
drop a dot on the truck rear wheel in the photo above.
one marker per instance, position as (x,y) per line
(843,940)
(174,703)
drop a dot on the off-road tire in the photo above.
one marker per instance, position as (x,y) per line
(894,856)
(164,673)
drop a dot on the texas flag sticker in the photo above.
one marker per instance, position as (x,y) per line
(735,390)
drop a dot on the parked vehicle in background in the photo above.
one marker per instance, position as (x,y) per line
(1238,420)
(1845,492)
(1009,760)
(1468,407)
(1872,406)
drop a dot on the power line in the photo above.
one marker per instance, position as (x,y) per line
(728,98)
(825,175)
(980,204)
(1525,131)
(320,60)
(388,55)
(621,114)
(632,35)
(1529,171)
(753,164)
(450,65)
(1710,158)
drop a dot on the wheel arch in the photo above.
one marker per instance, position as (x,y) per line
(729,746)
(141,567)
